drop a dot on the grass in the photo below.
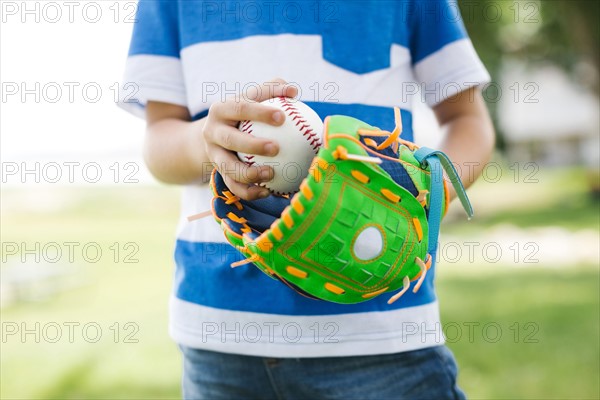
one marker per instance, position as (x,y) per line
(558,198)
(548,347)
(534,333)
(122,293)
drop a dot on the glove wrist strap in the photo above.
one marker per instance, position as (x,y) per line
(439,162)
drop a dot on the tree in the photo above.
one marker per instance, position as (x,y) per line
(565,33)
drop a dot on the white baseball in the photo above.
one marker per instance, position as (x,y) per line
(299,139)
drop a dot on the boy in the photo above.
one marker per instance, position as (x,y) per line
(198,65)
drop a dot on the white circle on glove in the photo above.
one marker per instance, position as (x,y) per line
(368,244)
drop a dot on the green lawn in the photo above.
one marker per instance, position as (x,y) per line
(549,318)
(559,198)
(534,334)
(150,368)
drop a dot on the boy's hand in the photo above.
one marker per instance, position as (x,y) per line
(223,139)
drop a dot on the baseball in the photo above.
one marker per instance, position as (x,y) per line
(299,139)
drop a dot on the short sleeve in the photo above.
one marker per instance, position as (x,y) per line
(153,69)
(444,59)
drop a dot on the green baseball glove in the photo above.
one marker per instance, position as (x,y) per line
(364,222)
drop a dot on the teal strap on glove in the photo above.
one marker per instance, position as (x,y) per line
(436,161)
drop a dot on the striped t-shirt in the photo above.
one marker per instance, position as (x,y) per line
(356,58)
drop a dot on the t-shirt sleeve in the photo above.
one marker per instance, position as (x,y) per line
(444,60)
(153,69)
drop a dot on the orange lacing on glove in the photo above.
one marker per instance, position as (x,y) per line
(231,198)
(422,197)
(201,215)
(265,245)
(393,137)
(228,198)
(422,275)
(341,153)
(235,218)
(296,272)
(370,142)
(334,288)
(405,286)
(251,259)
(240,220)
(421,278)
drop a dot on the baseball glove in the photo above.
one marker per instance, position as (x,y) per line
(364,222)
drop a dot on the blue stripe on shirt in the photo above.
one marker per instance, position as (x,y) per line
(156,30)
(436,24)
(204,276)
(357,35)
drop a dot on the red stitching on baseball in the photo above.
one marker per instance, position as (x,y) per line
(246,127)
(311,137)
(278,193)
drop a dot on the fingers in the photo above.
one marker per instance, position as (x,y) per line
(239,177)
(246,191)
(229,165)
(232,139)
(274,88)
(233,111)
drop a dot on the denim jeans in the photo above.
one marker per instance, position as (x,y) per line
(421,374)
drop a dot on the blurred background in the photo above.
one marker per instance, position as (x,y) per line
(83,222)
